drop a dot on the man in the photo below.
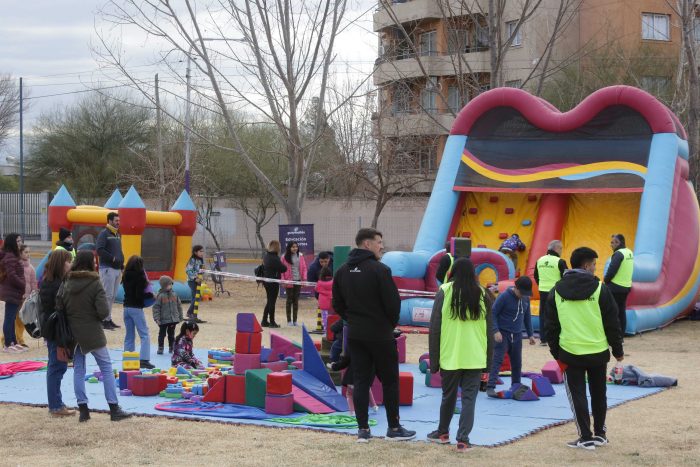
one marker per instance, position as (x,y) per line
(618,277)
(445,266)
(324,259)
(109,251)
(548,271)
(365,296)
(65,241)
(581,324)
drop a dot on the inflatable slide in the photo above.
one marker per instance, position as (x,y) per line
(617,163)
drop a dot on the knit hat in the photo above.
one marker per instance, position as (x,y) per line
(165,281)
(524,285)
(64,233)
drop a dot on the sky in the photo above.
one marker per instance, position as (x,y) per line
(49,43)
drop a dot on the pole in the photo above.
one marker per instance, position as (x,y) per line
(21,160)
(159,149)
(187,124)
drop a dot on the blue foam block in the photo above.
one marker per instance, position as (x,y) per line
(319,390)
(313,363)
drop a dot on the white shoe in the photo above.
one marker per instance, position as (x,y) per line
(289,324)
(19,348)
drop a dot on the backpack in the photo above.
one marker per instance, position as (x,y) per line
(29,314)
(259,271)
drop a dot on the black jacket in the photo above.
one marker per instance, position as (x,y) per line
(365,296)
(47,295)
(613,267)
(579,285)
(562,266)
(109,249)
(272,265)
(134,283)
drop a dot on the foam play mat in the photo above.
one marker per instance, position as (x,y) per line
(497,421)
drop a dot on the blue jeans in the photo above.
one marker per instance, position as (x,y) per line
(54,375)
(134,318)
(512,343)
(8,325)
(337,348)
(103,361)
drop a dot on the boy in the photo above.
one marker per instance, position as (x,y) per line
(167,312)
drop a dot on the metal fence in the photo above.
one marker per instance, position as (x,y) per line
(36,211)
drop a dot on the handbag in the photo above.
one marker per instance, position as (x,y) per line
(149,298)
(57,327)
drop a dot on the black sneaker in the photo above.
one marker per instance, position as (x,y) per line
(199,321)
(146,364)
(107,326)
(160,351)
(363,435)
(274,325)
(265,324)
(583,444)
(440,438)
(113,324)
(399,434)
(600,440)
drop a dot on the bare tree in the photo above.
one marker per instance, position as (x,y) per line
(283,51)
(9,105)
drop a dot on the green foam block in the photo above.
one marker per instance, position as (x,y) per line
(256,387)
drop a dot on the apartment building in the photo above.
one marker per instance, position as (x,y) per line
(435,55)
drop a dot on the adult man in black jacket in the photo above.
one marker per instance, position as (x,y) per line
(365,296)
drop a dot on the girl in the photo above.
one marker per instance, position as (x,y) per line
(460,346)
(182,354)
(296,271)
(192,270)
(324,287)
(86,307)
(135,282)
(167,312)
(12,286)
(273,269)
(29,287)
(57,266)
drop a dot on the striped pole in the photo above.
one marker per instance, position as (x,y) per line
(319,323)
(198,298)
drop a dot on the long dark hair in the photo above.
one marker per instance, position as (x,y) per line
(325,273)
(288,252)
(56,265)
(187,326)
(84,261)
(466,292)
(195,249)
(10,244)
(135,264)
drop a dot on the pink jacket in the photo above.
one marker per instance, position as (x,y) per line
(287,276)
(325,294)
(29,278)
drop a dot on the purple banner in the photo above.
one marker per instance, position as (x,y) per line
(303,234)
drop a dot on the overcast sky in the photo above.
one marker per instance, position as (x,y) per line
(48,43)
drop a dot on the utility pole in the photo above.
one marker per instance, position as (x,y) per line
(159,149)
(21,161)
(187,123)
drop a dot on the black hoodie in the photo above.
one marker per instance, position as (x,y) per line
(365,296)
(579,285)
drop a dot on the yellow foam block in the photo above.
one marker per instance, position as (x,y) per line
(135,355)
(131,365)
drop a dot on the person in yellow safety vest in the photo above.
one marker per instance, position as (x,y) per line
(445,266)
(548,271)
(65,241)
(460,347)
(618,277)
(581,326)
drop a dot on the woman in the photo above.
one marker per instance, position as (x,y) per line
(460,345)
(12,287)
(57,266)
(86,307)
(135,282)
(296,271)
(192,270)
(273,268)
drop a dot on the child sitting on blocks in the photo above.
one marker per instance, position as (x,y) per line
(167,312)
(182,353)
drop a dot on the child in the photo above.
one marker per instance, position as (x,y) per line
(324,287)
(347,382)
(192,270)
(135,282)
(182,353)
(30,285)
(511,312)
(167,312)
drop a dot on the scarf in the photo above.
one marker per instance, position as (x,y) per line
(114,231)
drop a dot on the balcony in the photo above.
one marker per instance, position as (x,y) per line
(415,10)
(413,124)
(434,65)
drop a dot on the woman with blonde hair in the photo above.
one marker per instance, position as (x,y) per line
(273,269)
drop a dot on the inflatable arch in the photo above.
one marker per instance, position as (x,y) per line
(617,163)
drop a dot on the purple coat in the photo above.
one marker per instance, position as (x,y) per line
(12,286)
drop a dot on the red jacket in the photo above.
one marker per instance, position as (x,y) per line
(325,294)
(287,276)
(12,287)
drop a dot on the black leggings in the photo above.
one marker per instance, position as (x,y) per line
(170,329)
(293,303)
(272,290)
(621,301)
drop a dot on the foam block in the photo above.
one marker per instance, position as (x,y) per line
(234,389)
(303,402)
(275,366)
(331,320)
(255,385)
(145,385)
(247,322)
(281,345)
(244,361)
(298,364)
(313,363)
(552,372)
(123,375)
(424,366)
(248,342)
(405,388)
(401,346)
(299,355)
(425,356)
(541,386)
(279,404)
(279,383)
(433,380)
(217,392)
(130,378)
(327,395)
(266,354)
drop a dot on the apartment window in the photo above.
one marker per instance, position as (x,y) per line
(696,29)
(517,38)
(657,85)
(401,100)
(428,95)
(655,27)
(428,43)
(457,41)
(516,83)
(413,155)
(481,38)
(455,100)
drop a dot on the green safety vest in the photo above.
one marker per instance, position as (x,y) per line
(72,252)
(449,270)
(623,278)
(548,272)
(581,322)
(462,343)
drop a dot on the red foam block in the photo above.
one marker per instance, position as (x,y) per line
(401,346)
(217,392)
(245,361)
(145,385)
(279,404)
(130,378)
(332,318)
(234,387)
(279,383)
(248,342)
(405,388)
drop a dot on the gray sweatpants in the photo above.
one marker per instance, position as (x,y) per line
(469,381)
(110,279)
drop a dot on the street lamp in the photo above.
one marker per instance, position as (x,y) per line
(189,103)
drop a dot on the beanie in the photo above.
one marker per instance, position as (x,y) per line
(64,233)
(165,281)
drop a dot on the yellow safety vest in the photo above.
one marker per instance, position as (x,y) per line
(72,252)
(548,272)
(582,331)
(462,343)
(623,277)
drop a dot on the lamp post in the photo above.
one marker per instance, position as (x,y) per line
(188,76)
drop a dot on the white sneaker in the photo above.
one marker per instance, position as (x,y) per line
(10,349)
(289,324)
(19,348)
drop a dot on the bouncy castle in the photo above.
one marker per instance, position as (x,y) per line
(514,164)
(162,238)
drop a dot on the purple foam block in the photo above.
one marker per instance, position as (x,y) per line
(279,405)
(125,392)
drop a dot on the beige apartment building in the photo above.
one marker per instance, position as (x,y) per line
(424,82)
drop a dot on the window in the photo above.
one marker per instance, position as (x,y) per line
(457,41)
(696,29)
(516,83)
(428,96)
(517,38)
(401,101)
(655,27)
(428,41)
(657,85)
(455,101)
(412,155)
(481,38)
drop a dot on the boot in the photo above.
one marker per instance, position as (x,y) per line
(116,413)
(84,413)
(160,351)
(147,365)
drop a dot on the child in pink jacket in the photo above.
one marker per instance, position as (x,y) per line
(296,271)
(324,287)
(30,285)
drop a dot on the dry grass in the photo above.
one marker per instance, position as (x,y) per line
(658,430)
